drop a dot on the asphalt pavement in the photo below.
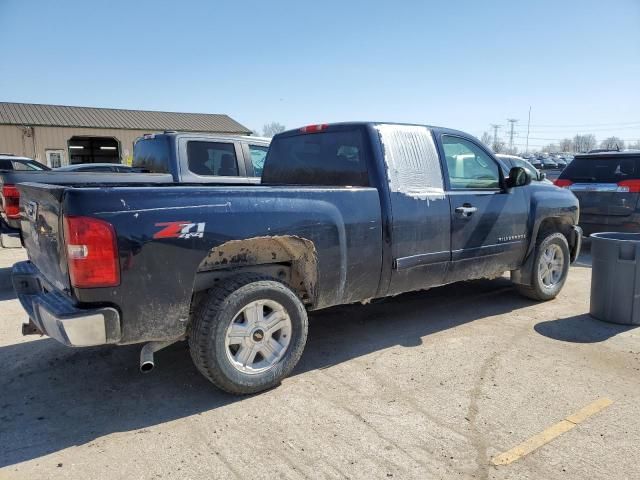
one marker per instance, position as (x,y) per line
(456,382)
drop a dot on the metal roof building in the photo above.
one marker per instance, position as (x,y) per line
(60,135)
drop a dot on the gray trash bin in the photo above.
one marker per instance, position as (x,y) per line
(615,277)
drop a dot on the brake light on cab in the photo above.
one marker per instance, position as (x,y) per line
(92,252)
(314,128)
(11,201)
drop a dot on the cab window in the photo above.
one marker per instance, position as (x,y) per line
(468,166)
(212,159)
(26,166)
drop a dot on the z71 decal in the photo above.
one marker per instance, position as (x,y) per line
(180,230)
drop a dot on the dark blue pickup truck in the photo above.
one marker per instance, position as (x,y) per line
(346,213)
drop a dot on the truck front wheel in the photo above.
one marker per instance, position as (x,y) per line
(550,267)
(248,334)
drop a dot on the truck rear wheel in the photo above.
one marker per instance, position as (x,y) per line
(248,334)
(550,267)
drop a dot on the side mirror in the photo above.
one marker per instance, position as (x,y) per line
(518,177)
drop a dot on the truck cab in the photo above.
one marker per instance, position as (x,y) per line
(201,157)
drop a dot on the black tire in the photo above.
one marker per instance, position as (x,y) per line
(212,318)
(537,290)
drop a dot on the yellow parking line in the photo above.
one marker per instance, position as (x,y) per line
(550,433)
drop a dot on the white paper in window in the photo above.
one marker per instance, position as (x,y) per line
(412,161)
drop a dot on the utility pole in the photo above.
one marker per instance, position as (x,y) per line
(495,127)
(528,125)
(512,121)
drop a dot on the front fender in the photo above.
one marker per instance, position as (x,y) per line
(554,207)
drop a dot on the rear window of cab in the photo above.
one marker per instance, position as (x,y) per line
(151,154)
(330,158)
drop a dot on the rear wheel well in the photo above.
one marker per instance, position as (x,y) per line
(290,259)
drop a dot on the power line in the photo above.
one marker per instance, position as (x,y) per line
(586,124)
(528,128)
(568,138)
(495,127)
(512,121)
(586,130)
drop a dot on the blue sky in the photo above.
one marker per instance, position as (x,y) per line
(461,64)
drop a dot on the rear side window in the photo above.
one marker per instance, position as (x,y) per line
(212,159)
(602,170)
(6,165)
(337,158)
(152,154)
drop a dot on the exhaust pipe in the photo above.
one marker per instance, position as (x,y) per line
(146,354)
(31,329)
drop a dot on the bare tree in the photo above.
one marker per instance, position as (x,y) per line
(634,146)
(270,129)
(584,143)
(612,143)
(486,139)
(499,146)
(566,145)
(511,150)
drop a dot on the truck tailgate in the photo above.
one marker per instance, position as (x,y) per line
(41,224)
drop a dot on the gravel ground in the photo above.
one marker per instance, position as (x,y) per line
(426,385)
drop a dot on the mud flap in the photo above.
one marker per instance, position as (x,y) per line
(575,243)
(522,276)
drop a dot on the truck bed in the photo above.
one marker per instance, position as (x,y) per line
(342,227)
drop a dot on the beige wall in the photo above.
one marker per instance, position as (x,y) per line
(17,140)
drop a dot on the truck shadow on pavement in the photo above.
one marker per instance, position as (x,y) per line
(54,397)
(6,287)
(580,329)
(7,294)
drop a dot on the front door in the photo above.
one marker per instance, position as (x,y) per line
(55,158)
(488,223)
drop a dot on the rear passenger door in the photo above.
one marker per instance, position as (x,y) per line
(488,223)
(420,233)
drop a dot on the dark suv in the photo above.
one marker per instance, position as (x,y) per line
(607,185)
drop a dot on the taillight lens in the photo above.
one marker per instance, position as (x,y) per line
(631,186)
(92,252)
(561,182)
(11,201)
(314,128)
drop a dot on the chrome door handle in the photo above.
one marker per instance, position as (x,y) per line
(466,211)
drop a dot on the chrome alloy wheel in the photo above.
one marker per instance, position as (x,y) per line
(551,266)
(258,336)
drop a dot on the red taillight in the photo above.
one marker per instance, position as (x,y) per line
(561,182)
(92,252)
(11,201)
(314,128)
(631,186)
